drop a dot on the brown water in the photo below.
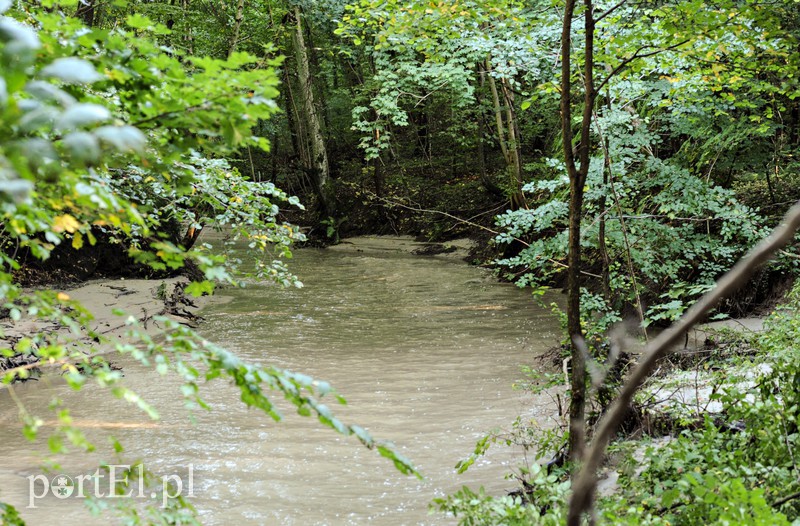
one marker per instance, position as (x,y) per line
(424,349)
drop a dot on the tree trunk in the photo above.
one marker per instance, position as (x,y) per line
(188,38)
(577,170)
(292,116)
(377,173)
(602,247)
(318,167)
(419,117)
(237,25)
(487,183)
(514,149)
(86,12)
(313,60)
(508,134)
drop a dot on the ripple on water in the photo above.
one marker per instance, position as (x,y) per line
(424,349)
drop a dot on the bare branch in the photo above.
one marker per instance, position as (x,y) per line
(586,481)
(784,500)
(610,10)
(637,55)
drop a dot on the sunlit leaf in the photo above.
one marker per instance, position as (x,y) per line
(82,115)
(45,91)
(13,31)
(65,223)
(16,189)
(71,70)
(123,138)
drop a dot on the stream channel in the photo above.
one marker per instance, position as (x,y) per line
(425,350)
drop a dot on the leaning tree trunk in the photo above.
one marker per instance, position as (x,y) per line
(487,183)
(318,166)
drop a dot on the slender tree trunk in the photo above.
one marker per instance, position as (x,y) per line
(769,182)
(188,38)
(377,173)
(485,181)
(577,170)
(295,121)
(602,247)
(419,116)
(515,148)
(319,167)
(320,96)
(237,25)
(585,482)
(507,134)
(273,157)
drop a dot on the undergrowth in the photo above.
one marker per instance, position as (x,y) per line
(732,460)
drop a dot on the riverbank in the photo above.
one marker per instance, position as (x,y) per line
(424,348)
(145,300)
(112,305)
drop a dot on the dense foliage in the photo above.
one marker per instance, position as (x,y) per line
(735,466)
(135,125)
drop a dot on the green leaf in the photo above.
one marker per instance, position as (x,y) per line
(82,114)
(362,435)
(123,138)
(116,445)
(16,189)
(12,31)
(71,70)
(48,92)
(82,146)
(137,21)
(669,497)
(199,288)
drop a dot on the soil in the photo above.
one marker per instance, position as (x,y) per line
(141,299)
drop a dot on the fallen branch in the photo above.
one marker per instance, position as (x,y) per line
(585,483)
(784,500)
(33,365)
(392,203)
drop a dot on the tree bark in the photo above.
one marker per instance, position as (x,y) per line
(237,25)
(86,12)
(577,170)
(585,483)
(508,136)
(318,168)
(487,183)
(188,38)
(514,149)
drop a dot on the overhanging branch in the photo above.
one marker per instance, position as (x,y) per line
(585,483)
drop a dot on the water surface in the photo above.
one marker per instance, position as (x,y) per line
(424,349)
